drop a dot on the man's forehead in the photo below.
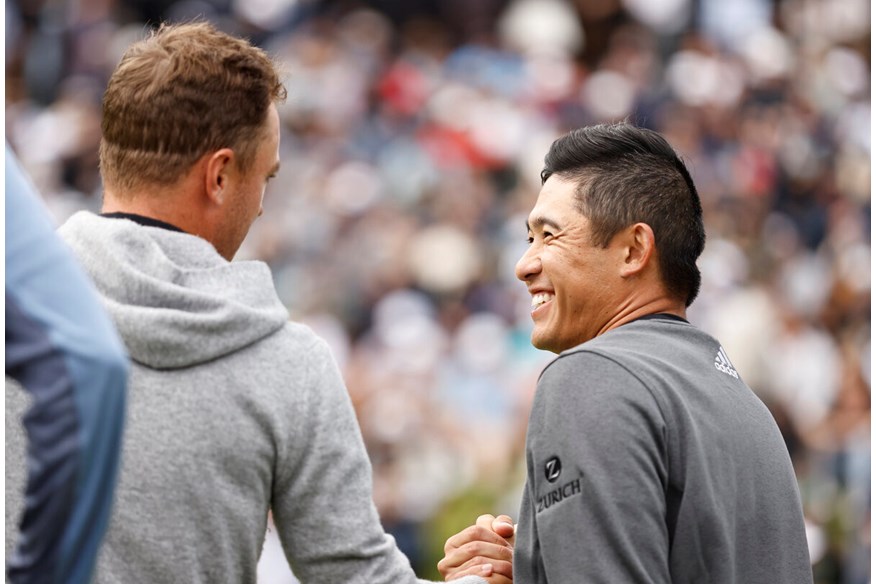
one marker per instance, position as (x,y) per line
(556,202)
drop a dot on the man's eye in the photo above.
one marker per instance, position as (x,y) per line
(529,239)
(548,234)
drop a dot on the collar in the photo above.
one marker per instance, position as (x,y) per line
(661,316)
(142,220)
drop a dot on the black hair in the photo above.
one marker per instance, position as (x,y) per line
(626,175)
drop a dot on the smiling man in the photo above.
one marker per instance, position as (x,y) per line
(648,458)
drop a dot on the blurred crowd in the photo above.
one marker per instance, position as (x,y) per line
(413,137)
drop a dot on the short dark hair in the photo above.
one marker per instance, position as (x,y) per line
(627,174)
(182,92)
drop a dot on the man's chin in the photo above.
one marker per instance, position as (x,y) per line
(542,343)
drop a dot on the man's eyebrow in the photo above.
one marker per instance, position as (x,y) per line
(540,221)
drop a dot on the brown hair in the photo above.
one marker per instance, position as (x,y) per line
(182,92)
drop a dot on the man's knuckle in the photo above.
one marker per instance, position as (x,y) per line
(472,548)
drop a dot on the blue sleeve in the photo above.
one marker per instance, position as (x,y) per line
(62,347)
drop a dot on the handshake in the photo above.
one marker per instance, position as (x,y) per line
(484,549)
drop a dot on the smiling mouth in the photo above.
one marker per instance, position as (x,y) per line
(539,300)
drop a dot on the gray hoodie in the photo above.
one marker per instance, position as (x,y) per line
(233,411)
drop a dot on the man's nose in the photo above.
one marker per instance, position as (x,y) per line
(528,265)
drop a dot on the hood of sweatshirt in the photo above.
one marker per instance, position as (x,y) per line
(175,301)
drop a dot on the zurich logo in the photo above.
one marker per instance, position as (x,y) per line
(552,469)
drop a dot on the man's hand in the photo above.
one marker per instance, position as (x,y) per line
(484,549)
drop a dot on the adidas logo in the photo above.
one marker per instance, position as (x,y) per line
(722,364)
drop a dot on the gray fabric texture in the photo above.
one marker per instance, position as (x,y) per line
(18,400)
(233,411)
(647,463)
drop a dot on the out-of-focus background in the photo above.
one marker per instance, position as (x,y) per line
(413,137)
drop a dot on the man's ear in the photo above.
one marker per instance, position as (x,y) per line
(217,174)
(638,249)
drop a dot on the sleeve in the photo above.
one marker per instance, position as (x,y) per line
(322,501)
(597,467)
(63,349)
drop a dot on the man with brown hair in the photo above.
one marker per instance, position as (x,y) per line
(234,411)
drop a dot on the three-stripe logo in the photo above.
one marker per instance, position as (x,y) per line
(722,364)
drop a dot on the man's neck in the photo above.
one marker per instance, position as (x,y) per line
(657,305)
(180,206)
(171,207)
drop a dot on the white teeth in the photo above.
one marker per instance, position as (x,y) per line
(541,298)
